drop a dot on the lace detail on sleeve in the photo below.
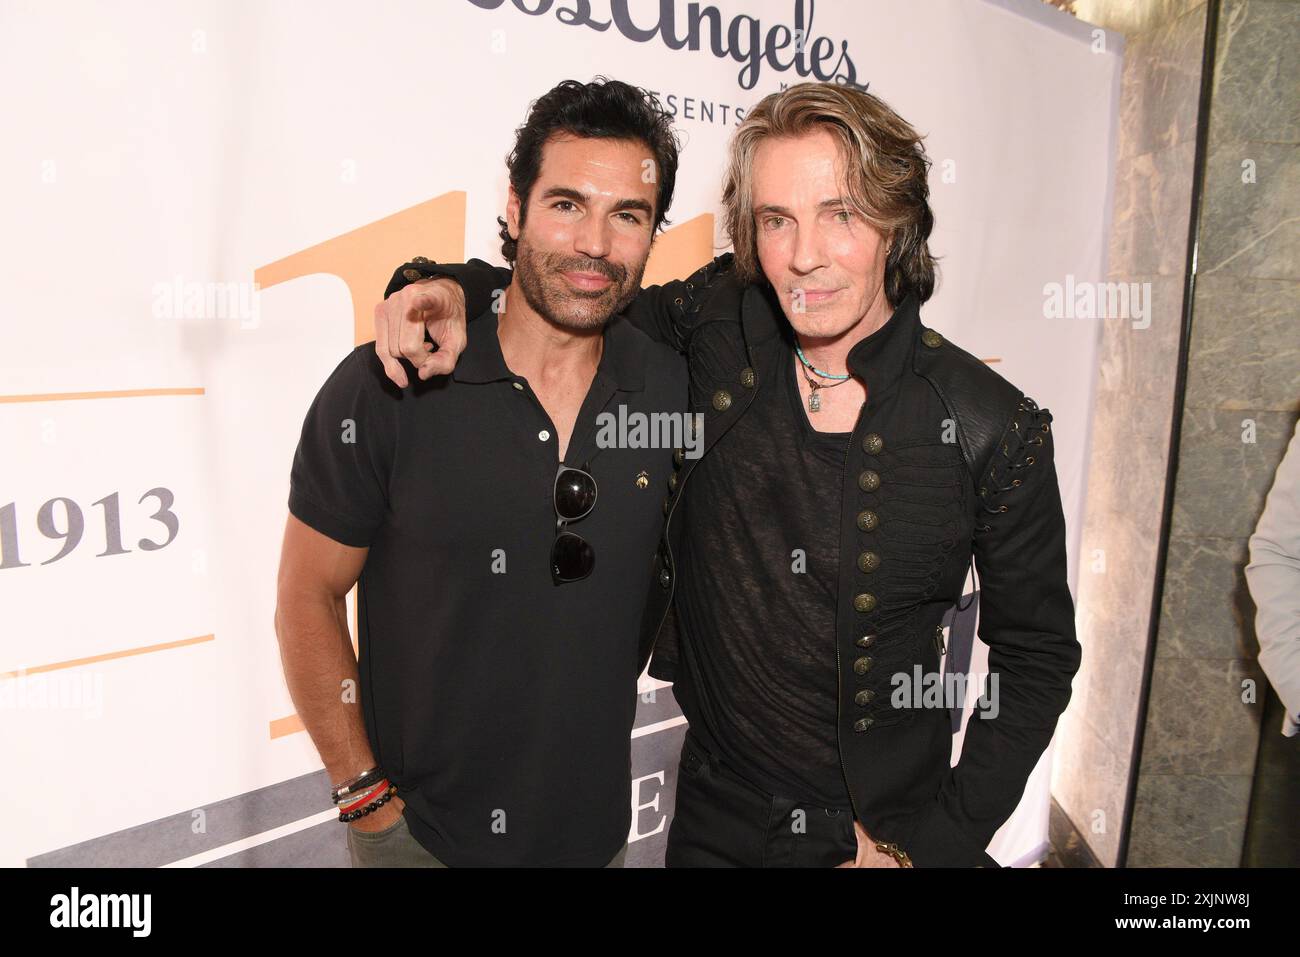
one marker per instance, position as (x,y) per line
(1014,455)
(692,291)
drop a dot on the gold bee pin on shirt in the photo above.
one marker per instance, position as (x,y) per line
(642,479)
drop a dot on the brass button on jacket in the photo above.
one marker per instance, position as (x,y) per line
(868,562)
(722,400)
(863,723)
(862,665)
(872,443)
(869,480)
(932,339)
(865,602)
(866,641)
(868,521)
(412,274)
(863,697)
(747,378)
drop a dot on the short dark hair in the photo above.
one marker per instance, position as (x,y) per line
(601,109)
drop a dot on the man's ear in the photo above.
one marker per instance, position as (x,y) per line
(513,205)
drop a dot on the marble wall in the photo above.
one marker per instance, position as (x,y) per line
(1242,395)
(1132,411)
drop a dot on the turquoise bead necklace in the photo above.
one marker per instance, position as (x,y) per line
(815,400)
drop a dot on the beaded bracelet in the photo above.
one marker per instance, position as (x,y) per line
(347,816)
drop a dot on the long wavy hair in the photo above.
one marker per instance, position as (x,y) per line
(886,170)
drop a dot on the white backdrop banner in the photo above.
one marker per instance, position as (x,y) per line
(202,203)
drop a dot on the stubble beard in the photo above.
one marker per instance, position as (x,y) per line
(552,298)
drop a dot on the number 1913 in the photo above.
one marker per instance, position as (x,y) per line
(73,522)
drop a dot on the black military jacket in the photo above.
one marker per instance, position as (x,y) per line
(948,464)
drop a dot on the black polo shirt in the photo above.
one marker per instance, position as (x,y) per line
(499,703)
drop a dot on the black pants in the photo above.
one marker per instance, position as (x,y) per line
(721,820)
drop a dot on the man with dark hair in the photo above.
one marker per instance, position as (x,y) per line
(855,464)
(596,110)
(501,548)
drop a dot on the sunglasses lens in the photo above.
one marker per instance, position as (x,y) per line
(575,494)
(571,558)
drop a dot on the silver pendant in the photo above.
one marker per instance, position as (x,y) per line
(814,402)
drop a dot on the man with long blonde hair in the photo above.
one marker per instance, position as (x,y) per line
(855,463)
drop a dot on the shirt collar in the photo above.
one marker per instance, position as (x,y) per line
(482,360)
(622,362)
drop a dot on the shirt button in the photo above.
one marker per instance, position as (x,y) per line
(869,481)
(411,275)
(868,520)
(863,698)
(868,562)
(865,641)
(865,602)
(519,386)
(872,443)
(544,435)
(722,400)
(863,723)
(862,665)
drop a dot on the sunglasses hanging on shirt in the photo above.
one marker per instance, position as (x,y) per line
(572,557)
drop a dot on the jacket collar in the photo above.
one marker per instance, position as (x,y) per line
(881,358)
(622,363)
(761,318)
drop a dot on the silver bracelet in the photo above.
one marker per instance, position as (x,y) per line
(365,779)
